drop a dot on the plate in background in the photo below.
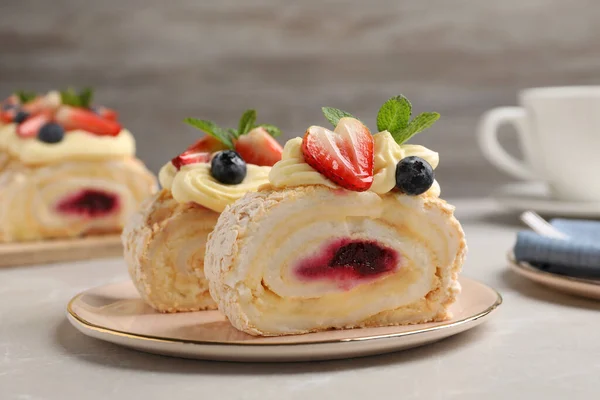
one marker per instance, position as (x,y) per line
(536,196)
(115,313)
(589,288)
(60,250)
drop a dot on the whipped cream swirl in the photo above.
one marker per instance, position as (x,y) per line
(293,170)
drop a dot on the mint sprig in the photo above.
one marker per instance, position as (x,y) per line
(228,136)
(25,96)
(212,129)
(232,132)
(394,117)
(272,129)
(418,124)
(83,99)
(247,122)
(334,115)
(86,95)
(394,114)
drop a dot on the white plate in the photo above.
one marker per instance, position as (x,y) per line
(536,196)
(589,288)
(115,313)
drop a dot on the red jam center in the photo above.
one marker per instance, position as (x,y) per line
(349,262)
(89,203)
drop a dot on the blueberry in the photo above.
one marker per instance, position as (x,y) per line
(414,175)
(51,133)
(6,107)
(20,117)
(228,167)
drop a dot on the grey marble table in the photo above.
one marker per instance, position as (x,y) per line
(541,344)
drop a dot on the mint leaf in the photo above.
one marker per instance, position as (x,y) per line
(25,96)
(272,129)
(233,133)
(211,129)
(334,115)
(246,122)
(394,114)
(70,98)
(85,97)
(418,124)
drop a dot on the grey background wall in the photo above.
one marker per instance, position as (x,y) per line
(159,61)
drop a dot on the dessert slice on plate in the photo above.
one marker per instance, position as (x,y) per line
(165,241)
(70,169)
(350,233)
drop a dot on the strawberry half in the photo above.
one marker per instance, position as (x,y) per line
(31,126)
(259,148)
(199,152)
(72,118)
(107,113)
(7,116)
(345,156)
(190,157)
(34,106)
(12,99)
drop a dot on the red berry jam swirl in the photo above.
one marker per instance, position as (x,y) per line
(90,203)
(349,262)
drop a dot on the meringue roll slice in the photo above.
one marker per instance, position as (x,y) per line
(350,233)
(165,241)
(164,250)
(70,169)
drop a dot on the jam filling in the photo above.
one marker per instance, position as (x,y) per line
(90,203)
(349,262)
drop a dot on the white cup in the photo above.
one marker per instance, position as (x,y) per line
(559,134)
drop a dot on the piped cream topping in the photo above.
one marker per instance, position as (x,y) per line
(194,183)
(76,145)
(293,170)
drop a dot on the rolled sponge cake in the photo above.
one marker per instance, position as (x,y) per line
(164,244)
(71,198)
(313,258)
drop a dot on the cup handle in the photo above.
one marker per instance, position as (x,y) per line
(490,146)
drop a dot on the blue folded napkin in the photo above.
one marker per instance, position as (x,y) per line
(577,256)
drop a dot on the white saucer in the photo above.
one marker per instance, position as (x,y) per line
(115,313)
(589,288)
(536,196)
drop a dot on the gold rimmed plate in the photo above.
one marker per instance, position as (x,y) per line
(115,313)
(589,288)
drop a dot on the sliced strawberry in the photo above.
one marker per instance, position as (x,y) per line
(199,152)
(345,156)
(34,106)
(107,113)
(190,157)
(259,148)
(7,116)
(31,126)
(72,118)
(207,144)
(12,99)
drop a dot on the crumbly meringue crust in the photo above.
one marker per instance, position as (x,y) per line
(164,245)
(29,194)
(247,261)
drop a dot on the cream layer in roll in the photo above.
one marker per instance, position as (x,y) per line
(70,199)
(164,246)
(408,251)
